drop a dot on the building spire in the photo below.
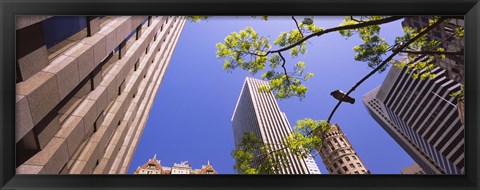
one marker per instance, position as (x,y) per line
(155,157)
(208,162)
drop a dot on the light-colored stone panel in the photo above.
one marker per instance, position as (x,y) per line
(99,95)
(53,157)
(110,36)
(94,25)
(99,47)
(110,82)
(123,29)
(101,167)
(24,21)
(30,169)
(84,55)
(66,70)
(88,111)
(42,94)
(33,62)
(73,131)
(23,118)
(78,167)
(90,152)
(97,79)
(48,132)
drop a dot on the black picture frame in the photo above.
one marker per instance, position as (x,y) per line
(8,10)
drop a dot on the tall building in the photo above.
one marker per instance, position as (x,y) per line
(85,87)
(454,65)
(422,118)
(412,169)
(259,113)
(153,166)
(338,154)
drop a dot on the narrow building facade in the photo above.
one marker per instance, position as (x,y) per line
(85,87)
(258,112)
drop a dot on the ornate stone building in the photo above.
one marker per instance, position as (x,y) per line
(153,166)
(338,154)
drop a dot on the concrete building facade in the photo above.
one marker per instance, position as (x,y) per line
(422,118)
(153,166)
(85,87)
(258,112)
(338,154)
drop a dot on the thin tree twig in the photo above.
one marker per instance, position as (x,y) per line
(284,69)
(347,27)
(296,24)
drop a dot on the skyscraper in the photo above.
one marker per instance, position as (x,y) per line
(446,33)
(85,87)
(454,65)
(259,113)
(422,118)
(338,154)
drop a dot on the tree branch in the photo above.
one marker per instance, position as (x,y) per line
(347,27)
(284,69)
(434,52)
(351,18)
(386,61)
(296,24)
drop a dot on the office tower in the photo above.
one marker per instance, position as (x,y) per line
(412,169)
(338,154)
(312,165)
(454,65)
(422,118)
(85,87)
(153,166)
(258,112)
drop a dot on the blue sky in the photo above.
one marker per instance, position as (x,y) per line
(190,118)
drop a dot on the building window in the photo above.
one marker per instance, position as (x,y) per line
(363,171)
(59,28)
(352,166)
(359,165)
(356,172)
(335,165)
(347,159)
(340,161)
(345,168)
(355,158)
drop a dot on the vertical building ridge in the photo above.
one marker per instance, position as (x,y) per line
(259,113)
